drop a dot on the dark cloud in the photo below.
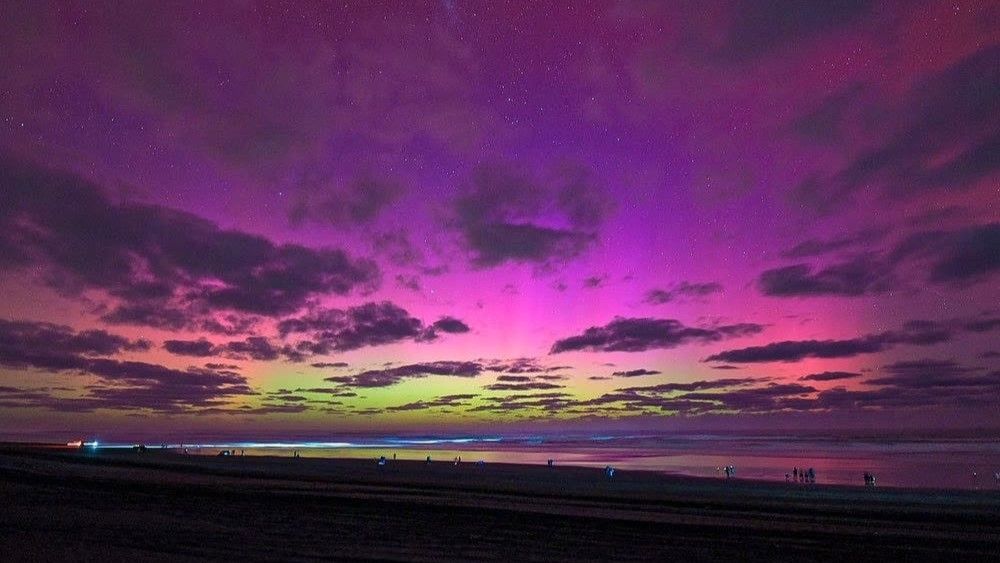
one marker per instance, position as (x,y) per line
(396,247)
(820,247)
(984,324)
(22,339)
(916,333)
(356,202)
(514,378)
(958,257)
(256,348)
(124,385)
(373,87)
(216,366)
(521,365)
(698,397)
(762,26)
(795,350)
(151,315)
(510,370)
(898,398)
(371,324)
(443,401)
(329,365)
(248,410)
(229,324)
(953,257)
(915,392)
(496,243)
(639,334)
(693,386)
(862,275)
(550,401)
(409,282)
(529,386)
(829,376)
(157,261)
(635,373)
(682,290)
(393,375)
(253,348)
(950,113)
(286,396)
(450,325)
(503,217)
(580,198)
(198,348)
(551,377)
(331,391)
(758,399)
(827,123)
(917,384)
(934,373)
(40,400)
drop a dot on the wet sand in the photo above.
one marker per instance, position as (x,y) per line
(60,504)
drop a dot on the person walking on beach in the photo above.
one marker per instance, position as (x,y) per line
(869,479)
(795,474)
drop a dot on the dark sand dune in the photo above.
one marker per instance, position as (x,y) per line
(59,505)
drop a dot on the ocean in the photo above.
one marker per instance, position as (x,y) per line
(955,463)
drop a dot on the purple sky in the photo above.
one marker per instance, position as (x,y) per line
(253,218)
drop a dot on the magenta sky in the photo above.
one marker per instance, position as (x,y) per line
(255,219)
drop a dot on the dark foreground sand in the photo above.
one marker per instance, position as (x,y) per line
(67,505)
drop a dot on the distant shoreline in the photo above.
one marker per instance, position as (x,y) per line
(955,467)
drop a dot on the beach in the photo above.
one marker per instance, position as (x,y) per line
(62,503)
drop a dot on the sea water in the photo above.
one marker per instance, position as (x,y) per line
(960,463)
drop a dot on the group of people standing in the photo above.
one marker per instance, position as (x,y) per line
(801,475)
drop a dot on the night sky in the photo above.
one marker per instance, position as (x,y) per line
(267,219)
